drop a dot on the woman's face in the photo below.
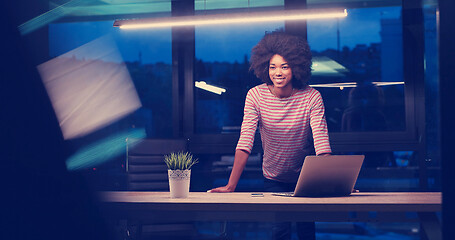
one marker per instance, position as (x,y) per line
(279,71)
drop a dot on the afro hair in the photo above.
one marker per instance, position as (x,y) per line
(295,50)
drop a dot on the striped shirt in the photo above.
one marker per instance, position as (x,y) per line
(287,126)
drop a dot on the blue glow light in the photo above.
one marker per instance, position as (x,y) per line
(103,150)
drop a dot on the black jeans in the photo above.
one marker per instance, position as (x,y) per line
(283,230)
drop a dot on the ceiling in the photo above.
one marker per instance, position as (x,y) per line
(77,9)
(97,10)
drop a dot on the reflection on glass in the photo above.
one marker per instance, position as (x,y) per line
(388,171)
(146,55)
(358,68)
(364,111)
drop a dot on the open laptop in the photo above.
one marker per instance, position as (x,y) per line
(327,176)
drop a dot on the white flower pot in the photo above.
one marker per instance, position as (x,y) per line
(179,183)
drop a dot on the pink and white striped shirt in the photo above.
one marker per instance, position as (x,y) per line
(287,127)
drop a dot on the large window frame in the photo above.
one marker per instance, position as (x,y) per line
(183,61)
(411,139)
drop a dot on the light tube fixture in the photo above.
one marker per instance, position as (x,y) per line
(353,84)
(208,87)
(233,18)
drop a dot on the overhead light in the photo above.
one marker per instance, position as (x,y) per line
(208,87)
(325,66)
(353,84)
(387,83)
(251,17)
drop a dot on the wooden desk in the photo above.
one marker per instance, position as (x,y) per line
(242,207)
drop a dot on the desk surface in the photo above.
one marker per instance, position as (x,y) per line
(202,201)
(202,206)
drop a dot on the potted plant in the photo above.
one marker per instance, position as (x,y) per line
(179,171)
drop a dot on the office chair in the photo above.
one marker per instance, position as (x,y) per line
(147,171)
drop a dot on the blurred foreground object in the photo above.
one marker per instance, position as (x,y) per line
(89,87)
(43,200)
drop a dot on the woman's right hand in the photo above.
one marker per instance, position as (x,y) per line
(224,189)
(241,156)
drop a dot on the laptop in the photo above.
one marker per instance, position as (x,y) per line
(327,176)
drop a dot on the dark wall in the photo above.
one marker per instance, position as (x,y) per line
(447,88)
(43,200)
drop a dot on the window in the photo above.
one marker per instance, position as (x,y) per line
(358,68)
(222,55)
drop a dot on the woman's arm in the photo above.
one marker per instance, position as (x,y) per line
(319,126)
(240,159)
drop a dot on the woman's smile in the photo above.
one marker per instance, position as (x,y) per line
(279,72)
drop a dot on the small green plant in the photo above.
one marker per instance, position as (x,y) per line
(179,161)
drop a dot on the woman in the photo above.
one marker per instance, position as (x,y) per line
(290,117)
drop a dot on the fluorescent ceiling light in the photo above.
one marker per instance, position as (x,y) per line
(252,17)
(324,66)
(353,84)
(210,88)
(335,85)
(387,83)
